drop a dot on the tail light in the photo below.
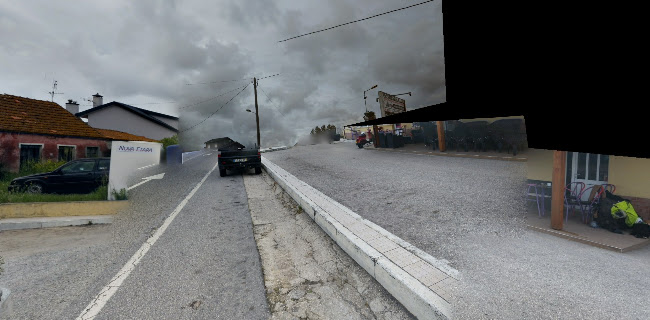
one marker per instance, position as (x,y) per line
(219,154)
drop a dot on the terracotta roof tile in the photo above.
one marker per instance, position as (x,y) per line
(123,136)
(19,114)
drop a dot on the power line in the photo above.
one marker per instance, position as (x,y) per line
(197,103)
(377,15)
(216,110)
(213,82)
(269,99)
(277,74)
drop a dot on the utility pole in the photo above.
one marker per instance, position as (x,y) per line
(257,116)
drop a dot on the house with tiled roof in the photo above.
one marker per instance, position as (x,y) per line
(34,130)
(222,143)
(123,136)
(126,118)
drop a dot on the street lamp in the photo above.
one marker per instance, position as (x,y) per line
(258,126)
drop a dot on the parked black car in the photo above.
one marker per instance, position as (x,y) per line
(239,159)
(77,176)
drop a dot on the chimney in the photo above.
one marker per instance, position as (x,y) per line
(97,100)
(72,106)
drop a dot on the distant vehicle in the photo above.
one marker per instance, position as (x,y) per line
(76,176)
(361,141)
(239,159)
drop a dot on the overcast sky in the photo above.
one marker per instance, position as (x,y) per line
(145,53)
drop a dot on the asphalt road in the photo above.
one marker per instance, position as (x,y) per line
(472,213)
(204,266)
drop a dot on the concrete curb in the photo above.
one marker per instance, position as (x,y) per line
(355,236)
(5,303)
(48,222)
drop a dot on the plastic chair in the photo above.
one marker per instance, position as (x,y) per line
(572,198)
(591,204)
(534,197)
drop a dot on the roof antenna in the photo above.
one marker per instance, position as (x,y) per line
(53,92)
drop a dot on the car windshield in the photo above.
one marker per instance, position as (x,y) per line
(82,166)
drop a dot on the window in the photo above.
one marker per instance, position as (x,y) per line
(104,165)
(29,153)
(92,152)
(77,167)
(66,153)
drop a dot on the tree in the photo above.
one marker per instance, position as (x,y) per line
(170,141)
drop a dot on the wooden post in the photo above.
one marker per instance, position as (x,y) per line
(375,136)
(441,136)
(257,116)
(557,192)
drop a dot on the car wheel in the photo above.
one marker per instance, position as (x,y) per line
(35,188)
(258,170)
(222,172)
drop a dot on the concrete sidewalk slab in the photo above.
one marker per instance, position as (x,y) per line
(419,281)
(47,222)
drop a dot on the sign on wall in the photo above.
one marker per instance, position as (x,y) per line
(126,158)
(390,104)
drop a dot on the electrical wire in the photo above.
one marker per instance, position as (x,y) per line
(191,84)
(269,76)
(377,15)
(216,110)
(269,99)
(210,99)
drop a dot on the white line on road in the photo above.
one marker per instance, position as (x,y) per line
(151,165)
(96,305)
(147,179)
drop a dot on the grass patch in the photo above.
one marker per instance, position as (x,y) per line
(38,167)
(6,197)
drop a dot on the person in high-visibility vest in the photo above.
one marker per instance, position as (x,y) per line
(625,210)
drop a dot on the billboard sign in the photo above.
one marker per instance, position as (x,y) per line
(390,104)
(126,158)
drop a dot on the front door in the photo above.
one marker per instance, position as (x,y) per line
(588,168)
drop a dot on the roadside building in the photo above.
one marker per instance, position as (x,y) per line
(222,143)
(630,176)
(34,130)
(126,118)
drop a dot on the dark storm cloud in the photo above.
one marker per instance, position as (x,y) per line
(251,13)
(147,51)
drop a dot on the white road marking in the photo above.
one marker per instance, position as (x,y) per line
(147,179)
(151,165)
(96,305)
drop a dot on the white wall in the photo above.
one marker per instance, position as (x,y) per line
(171,122)
(126,158)
(117,118)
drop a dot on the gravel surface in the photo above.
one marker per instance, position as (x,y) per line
(472,213)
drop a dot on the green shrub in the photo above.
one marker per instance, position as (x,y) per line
(33,167)
(119,195)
